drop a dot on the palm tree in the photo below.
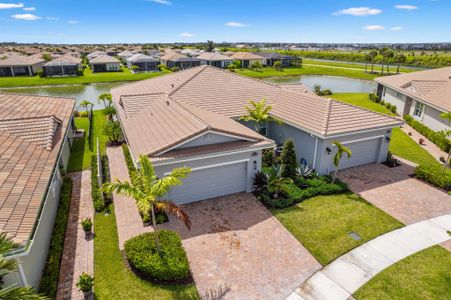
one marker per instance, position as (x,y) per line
(86,104)
(9,265)
(372,55)
(367,59)
(149,191)
(338,156)
(447,116)
(259,113)
(106,99)
(399,59)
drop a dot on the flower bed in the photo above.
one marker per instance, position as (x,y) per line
(438,138)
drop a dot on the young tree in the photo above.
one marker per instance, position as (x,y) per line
(149,192)
(109,111)
(259,113)
(337,157)
(134,68)
(210,46)
(113,131)
(288,162)
(372,55)
(106,99)
(399,59)
(256,66)
(367,59)
(85,104)
(278,66)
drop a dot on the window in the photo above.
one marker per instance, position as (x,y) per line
(418,111)
(398,95)
(385,90)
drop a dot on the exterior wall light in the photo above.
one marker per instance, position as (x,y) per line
(255,165)
(328,150)
(387,139)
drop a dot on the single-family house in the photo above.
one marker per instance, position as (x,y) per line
(126,54)
(142,63)
(94,54)
(174,59)
(247,59)
(35,138)
(105,63)
(424,95)
(215,59)
(66,65)
(19,65)
(206,134)
(285,60)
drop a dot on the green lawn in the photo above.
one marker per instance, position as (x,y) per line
(112,279)
(88,77)
(322,224)
(424,275)
(81,153)
(362,100)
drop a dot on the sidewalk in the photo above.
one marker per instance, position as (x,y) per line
(345,275)
(429,146)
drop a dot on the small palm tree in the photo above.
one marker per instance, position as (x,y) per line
(106,99)
(148,191)
(259,113)
(338,156)
(372,55)
(9,265)
(85,104)
(447,116)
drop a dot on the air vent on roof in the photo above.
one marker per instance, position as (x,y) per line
(167,102)
(172,85)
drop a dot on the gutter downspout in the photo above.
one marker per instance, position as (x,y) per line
(22,277)
(316,150)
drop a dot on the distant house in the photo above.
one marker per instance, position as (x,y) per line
(215,59)
(424,95)
(174,59)
(286,60)
(94,54)
(18,65)
(36,134)
(247,59)
(126,54)
(105,63)
(152,53)
(62,66)
(144,63)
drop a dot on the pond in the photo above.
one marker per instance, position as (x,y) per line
(81,92)
(334,83)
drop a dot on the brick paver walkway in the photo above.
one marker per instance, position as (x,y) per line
(429,146)
(392,190)
(238,250)
(78,253)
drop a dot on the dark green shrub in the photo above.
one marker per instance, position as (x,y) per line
(142,254)
(435,174)
(438,138)
(128,158)
(49,281)
(96,193)
(41,74)
(288,162)
(393,109)
(373,97)
(268,158)
(388,105)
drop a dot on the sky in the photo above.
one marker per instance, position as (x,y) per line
(296,21)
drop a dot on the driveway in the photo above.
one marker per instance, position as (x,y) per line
(238,250)
(394,191)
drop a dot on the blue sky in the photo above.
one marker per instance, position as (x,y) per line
(105,21)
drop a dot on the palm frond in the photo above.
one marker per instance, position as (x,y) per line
(175,210)
(147,170)
(180,173)
(7,265)
(162,186)
(6,243)
(124,188)
(20,293)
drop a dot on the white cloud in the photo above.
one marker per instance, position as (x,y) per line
(29,8)
(10,5)
(164,2)
(52,18)
(374,27)
(236,24)
(72,22)
(186,34)
(26,17)
(359,11)
(406,7)
(397,28)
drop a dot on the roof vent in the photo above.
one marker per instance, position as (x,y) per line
(172,85)
(167,102)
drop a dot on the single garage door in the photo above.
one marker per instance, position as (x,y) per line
(363,152)
(211,182)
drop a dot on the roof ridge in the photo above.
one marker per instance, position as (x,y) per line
(201,69)
(34,95)
(189,112)
(31,118)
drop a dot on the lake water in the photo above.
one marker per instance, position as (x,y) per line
(81,92)
(335,84)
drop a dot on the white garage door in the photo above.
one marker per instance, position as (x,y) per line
(211,182)
(363,152)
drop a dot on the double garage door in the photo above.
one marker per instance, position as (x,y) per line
(363,152)
(211,181)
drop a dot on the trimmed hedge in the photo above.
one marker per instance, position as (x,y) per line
(435,174)
(96,193)
(106,176)
(171,266)
(128,159)
(49,281)
(437,138)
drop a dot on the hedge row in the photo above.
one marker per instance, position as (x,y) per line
(435,174)
(128,158)
(106,176)
(49,281)
(96,193)
(375,98)
(437,138)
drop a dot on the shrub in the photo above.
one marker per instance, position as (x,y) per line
(49,281)
(96,193)
(41,74)
(388,105)
(83,114)
(86,224)
(435,175)
(112,130)
(393,109)
(373,97)
(438,138)
(85,282)
(142,254)
(288,162)
(268,157)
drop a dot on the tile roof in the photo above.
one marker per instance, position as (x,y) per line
(65,60)
(245,55)
(138,57)
(274,55)
(431,86)
(20,60)
(213,56)
(32,130)
(104,59)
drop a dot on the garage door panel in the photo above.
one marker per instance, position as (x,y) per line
(363,152)
(211,182)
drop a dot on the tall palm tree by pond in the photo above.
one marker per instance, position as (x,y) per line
(259,113)
(106,99)
(338,156)
(85,104)
(149,192)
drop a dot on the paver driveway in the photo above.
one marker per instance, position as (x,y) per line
(392,190)
(238,250)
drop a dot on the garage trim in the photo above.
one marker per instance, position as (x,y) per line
(215,165)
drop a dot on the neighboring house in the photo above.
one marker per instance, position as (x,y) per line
(247,59)
(126,54)
(204,131)
(151,52)
(174,59)
(18,65)
(425,95)
(62,66)
(143,63)
(35,138)
(95,54)
(105,63)
(286,60)
(215,59)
